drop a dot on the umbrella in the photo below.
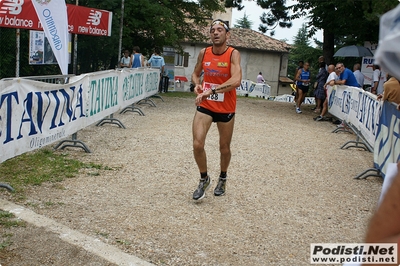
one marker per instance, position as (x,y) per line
(353,51)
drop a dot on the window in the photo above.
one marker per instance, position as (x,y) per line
(182,60)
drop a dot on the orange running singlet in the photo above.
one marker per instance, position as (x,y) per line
(217,70)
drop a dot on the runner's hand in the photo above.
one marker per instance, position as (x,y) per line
(198,89)
(202,96)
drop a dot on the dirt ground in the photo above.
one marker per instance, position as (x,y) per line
(289,185)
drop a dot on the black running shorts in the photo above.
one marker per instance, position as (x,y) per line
(217,117)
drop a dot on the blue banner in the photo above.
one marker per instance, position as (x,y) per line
(387,142)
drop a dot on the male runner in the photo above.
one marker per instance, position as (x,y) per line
(216,102)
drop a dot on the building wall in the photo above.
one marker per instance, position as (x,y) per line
(252,62)
(226,16)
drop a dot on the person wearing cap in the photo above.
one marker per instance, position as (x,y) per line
(216,102)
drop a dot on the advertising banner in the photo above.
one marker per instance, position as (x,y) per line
(387,144)
(252,89)
(40,52)
(81,20)
(34,114)
(89,21)
(357,107)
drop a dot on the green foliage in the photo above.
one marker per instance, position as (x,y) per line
(40,166)
(147,24)
(244,23)
(343,22)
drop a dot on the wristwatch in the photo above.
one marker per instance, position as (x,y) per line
(214,90)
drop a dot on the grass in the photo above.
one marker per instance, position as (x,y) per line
(8,220)
(40,166)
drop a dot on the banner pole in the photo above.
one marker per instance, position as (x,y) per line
(74,66)
(18,44)
(120,29)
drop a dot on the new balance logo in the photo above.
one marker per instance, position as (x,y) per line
(12,7)
(94,18)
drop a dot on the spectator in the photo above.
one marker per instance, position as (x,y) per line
(391,91)
(157,61)
(303,78)
(319,92)
(125,60)
(359,76)
(330,81)
(260,78)
(346,76)
(377,82)
(137,59)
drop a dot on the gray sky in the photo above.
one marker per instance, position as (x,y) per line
(253,11)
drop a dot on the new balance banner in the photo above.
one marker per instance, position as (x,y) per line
(89,21)
(81,20)
(53,16)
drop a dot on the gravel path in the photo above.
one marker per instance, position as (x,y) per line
(289,185)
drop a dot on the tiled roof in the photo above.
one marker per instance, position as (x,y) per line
(250,39)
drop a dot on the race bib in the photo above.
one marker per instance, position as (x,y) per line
(218,97)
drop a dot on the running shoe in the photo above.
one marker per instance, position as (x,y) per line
(200,192)
(220,188)
(298,110)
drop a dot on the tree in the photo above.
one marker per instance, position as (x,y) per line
(243,23)
(302,50)
(147,24)
(351,21)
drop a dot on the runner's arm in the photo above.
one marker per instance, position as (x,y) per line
(197,72)
(236,75)
(384,226)
(298,75)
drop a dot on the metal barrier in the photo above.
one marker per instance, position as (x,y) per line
(6,186)
(360,142)
(54,79)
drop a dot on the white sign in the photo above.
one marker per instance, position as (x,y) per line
(34,114)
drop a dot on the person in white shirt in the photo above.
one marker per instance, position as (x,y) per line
(359,76)
(125,60)
(330,81)
(260,78)
(377,80)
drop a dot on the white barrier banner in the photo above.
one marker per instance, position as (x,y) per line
(290,99)
(357,107)
(34,114)
(252,89)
